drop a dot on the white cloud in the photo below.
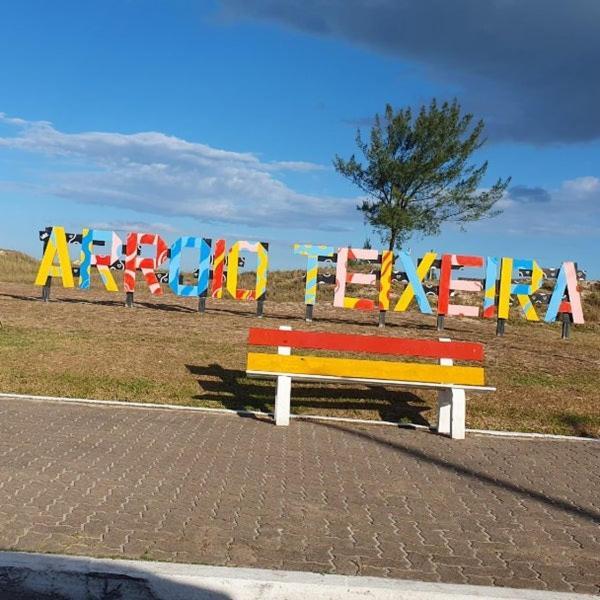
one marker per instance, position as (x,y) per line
(127,226)
(160,174)
(582,185)
(294,165)
(4,118)
(573,208)
(157,174)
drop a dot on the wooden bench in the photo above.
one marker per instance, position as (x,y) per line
(450,380)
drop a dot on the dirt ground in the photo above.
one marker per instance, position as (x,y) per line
(88,344)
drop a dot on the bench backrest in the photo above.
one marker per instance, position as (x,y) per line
(445,351)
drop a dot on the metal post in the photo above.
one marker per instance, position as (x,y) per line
(129,299)
(440,322)
(309,313)
(382,318)
(202,304)
(48,284)
(46,289)
(500,326)
(260,307)
(566,326)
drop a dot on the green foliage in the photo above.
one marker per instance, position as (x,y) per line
(417,175)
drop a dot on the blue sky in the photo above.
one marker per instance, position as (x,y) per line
(222,117)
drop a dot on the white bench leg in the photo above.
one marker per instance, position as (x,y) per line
(451,413)
(457,420)
(284,389)
(445,400)
(282,400)
(444,411)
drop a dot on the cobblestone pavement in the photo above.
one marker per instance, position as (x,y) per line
(324,497)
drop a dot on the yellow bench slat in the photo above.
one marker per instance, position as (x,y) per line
(368,369)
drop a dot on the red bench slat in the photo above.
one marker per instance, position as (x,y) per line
(344,342)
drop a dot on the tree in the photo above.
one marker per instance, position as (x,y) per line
(416,175)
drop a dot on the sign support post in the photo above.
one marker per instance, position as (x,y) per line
(500,326)
(566,326)
(46,289)
(440,322)
(308,317)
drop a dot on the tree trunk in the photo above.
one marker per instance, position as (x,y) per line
(391,248)
(392,245)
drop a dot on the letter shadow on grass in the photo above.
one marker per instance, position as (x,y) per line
(139,304)
(343,319)
(251,314)
(116,303)
(54,298)
(234,390)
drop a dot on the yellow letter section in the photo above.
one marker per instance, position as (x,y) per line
(364,369)
(57,246)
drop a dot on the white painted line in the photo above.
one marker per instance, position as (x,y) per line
(258,413)
(529,434)
(78,577)
(136,405)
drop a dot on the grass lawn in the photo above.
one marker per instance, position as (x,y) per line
(87,344)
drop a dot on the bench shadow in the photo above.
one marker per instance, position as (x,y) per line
(235,390)
(580,425)
(455,468)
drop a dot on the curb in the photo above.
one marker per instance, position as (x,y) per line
(256,413)
(29,576)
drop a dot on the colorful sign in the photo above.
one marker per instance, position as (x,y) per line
(505,280)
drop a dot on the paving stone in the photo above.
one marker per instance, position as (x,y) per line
(322,497)
(581,588)
(450,574)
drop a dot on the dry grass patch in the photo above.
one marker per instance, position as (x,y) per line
(17,266)
(87,344)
